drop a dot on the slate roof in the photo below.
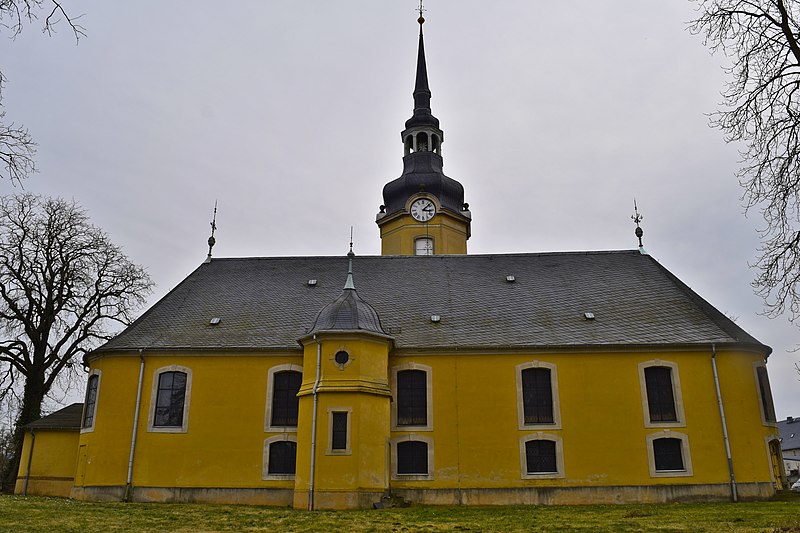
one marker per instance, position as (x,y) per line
(789,431)
(267,303)
(68,418)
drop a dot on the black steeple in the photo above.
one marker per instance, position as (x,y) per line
(422,160)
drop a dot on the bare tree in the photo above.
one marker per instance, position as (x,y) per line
(17,148)
(761,109)
(63,287)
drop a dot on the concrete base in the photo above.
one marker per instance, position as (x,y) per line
(45,486)
(365,500)
(587,495)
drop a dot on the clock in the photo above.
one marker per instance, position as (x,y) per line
(423,210)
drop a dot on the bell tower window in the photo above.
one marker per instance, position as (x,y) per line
(423,246)
(422,142)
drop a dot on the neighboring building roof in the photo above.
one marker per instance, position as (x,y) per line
(268,303)
(789,432)
(66,418)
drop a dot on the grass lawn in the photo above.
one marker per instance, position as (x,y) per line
(20,514)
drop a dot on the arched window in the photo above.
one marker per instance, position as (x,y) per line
(280,457)
(285,403)
(90,403)
(668,454)
(662,401)
(169,403)
(412,457)
(541,456)
(422,142)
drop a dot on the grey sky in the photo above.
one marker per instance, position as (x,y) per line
(556,114)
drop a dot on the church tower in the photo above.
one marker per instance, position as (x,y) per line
(423,211)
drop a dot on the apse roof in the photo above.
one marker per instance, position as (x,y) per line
(268,303)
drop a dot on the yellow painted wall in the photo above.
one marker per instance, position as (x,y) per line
(52,464)
(474,420)
(476,435)
(399,233)
(224,444)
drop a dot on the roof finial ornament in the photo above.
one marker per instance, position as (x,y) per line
(636,217)
(350,255)
(421,9)
(211,240)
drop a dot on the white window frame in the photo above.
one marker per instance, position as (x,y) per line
(523,456)
(428,392)
(411,477)
(184,427)
(556,424)
(764,420)
(346,451)
(676,395)
(265,475)
(268,427)
(99,374)
(427,238)
(687,456)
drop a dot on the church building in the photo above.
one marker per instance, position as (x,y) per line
(425,373)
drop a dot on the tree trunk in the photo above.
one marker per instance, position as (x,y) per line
(31,410)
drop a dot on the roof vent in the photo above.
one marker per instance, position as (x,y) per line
(588,315)
(312,283)
(436,318)
(214,321)
(511,279)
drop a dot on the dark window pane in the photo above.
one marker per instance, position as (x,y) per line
(766,394)
(412,398)
(339,431)
(537,396)
(660,399)
(285,387)
(668,454)
(91,400)
(282,456)
(540,456)
(412,457)
(170,399)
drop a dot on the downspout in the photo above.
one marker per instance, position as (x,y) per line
(30,459)
(314,427)
(128,485)
(734,494)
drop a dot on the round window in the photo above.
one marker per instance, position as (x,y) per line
(341,357)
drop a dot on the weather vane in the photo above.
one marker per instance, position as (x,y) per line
(636,217)
(351,241)
(421,9)
(211,240)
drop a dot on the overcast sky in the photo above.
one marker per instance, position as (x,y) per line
(556,115)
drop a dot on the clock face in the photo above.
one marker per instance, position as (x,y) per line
(423,210)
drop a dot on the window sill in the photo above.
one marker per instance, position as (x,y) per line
(167,429)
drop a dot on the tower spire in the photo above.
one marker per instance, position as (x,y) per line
(422,92)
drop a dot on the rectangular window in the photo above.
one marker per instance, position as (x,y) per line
(339,431)
(537,396)
(170,399)
(668,454)
(660,396)
(282,457)
(285,403)
(91,401)
(766,394)
(412,457)
(540,457)
(412,398)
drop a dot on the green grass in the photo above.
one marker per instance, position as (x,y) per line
(20,514)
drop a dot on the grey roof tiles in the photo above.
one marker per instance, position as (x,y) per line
(267,303)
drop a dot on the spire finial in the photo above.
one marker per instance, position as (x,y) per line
(421,9)
(350,255)
(636,217)
(211,240)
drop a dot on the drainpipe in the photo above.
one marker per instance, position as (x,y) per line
(314,427)
(128,485)
(28,469)
(734,494)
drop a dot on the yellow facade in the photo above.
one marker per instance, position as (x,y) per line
(474,431)
(51,463)
(399,234)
